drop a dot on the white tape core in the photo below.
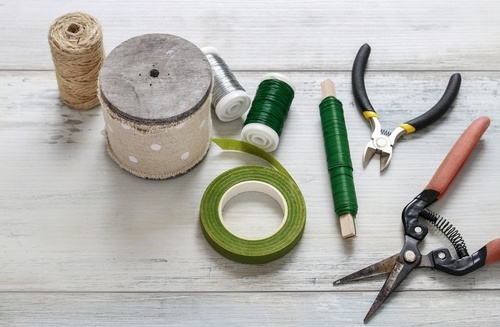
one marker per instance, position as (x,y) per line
(254,186)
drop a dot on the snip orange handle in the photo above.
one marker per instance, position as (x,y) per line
(458,155)
(493,251)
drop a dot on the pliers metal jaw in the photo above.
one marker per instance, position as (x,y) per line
(382,141)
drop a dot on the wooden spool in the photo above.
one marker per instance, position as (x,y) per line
(155,91)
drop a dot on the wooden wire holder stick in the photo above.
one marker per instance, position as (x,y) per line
(345,205)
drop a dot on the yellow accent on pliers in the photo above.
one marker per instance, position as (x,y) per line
(408,128)
(369,114)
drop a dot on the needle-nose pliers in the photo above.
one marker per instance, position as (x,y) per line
(382,141)
(400,265)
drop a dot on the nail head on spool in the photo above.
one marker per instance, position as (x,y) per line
(157,87)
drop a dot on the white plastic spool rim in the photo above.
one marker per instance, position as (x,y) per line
(233,105)
(282,78)
(260,135)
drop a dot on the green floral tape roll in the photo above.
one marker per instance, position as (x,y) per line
(276,183)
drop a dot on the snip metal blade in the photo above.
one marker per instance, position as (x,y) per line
(398,274)
(382,267)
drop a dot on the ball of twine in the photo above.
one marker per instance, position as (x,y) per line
(77,51)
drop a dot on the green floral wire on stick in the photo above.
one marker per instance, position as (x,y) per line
(338,159)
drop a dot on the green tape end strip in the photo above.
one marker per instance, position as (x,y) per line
(235,145)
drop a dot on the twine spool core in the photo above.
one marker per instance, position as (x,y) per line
(73,28)
(155,91)
(75,41)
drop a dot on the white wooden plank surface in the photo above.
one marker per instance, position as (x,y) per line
(249,309)
(271,35)
(83,242)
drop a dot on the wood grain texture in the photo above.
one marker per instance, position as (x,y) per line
(147,79)
(279,35)
(83,242)
(250,309)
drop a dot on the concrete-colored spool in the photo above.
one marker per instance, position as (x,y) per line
(155,92)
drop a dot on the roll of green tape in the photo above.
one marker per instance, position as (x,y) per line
(276,183)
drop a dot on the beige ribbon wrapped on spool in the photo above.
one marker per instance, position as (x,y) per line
(155,93)
(75,41)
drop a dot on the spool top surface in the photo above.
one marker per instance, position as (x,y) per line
(155,79)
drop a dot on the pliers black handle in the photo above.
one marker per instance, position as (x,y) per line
(382,141)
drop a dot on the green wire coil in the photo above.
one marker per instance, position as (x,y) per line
(338,156)
(271,104)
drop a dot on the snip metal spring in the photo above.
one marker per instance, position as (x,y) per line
(448,230)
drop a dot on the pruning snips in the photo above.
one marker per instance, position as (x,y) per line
(400,265)
(382,141)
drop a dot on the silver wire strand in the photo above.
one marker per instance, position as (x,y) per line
(224,80)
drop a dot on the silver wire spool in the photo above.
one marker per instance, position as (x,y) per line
(229,99)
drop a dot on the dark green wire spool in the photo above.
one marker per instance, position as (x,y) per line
(271,104)
(338,156)
(267,115)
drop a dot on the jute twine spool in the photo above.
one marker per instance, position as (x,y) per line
(75,41)
(155,93)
